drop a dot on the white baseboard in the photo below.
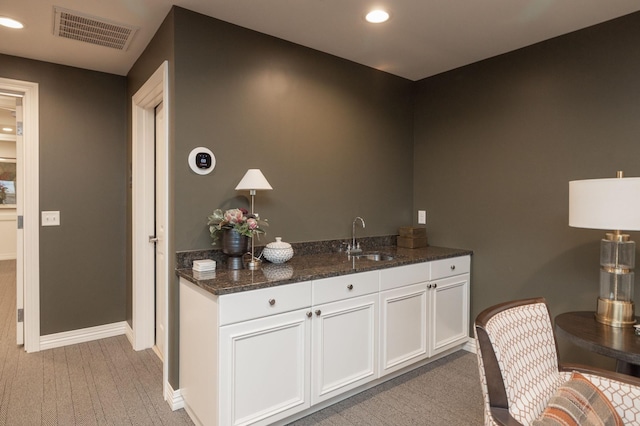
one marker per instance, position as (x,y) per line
(82,335)
(173,397)
(7,256)
(129,333)
(470,346)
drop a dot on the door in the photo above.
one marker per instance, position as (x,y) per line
(160,236)
(264,369)
(345,349)
(449,313)
(403,323)
(20,235)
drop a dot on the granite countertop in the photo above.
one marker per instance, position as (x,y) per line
(311,267)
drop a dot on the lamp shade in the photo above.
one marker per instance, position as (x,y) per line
(253,179)
(609,204)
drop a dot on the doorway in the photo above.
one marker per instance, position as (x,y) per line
(150,236)
(27,257)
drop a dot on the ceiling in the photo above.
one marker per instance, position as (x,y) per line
(422,38)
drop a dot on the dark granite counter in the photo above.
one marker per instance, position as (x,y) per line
(306,267)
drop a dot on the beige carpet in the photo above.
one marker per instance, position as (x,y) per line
(105,382)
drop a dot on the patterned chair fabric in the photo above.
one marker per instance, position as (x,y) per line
(519,369)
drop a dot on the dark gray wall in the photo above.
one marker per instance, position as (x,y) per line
(333,138)
(83,175)
(496,144)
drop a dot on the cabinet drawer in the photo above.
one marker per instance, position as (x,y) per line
(449,267)
(252,304)
(404,275)
(345,286)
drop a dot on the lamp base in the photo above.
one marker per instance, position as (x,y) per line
(253,264)
(615,313)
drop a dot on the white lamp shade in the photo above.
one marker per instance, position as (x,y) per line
(609,204)
(253,180)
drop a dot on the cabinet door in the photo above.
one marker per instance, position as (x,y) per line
(345,346)
(449,316)
(403,327)
(265,368)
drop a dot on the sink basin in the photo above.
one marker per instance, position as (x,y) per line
(376,257)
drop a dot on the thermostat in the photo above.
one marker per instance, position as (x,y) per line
(202,161)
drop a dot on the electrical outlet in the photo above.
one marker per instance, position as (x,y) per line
(422,217)
(51,218)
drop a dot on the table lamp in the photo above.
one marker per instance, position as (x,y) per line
(610,204)
(252,181)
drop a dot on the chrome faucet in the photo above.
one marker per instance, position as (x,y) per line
(355,248)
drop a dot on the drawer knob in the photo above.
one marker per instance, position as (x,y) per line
(350,286)
(309,314)
(453,267)
(272,302)
(318,312)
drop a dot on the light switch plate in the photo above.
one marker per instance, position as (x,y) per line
(51,218)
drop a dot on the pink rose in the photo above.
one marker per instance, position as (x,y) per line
(233,216)
(253,224)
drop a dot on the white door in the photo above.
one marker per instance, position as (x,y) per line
(403,327)
(449,313)
(264,369)
(345,349)
(20,236)
(160,236)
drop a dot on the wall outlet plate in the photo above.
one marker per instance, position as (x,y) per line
(422,217)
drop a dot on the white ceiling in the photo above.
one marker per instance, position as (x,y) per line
(422,38)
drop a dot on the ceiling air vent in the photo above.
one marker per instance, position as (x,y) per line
(90,29)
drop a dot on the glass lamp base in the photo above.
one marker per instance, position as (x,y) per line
(615,313)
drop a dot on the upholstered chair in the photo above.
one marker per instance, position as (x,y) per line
(522,380)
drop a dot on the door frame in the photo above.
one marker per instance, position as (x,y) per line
(28,205)
(154,91)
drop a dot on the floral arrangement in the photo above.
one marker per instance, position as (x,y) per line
(239,219)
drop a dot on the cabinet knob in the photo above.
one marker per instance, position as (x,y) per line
(350,286)
(272,302)
(309,314)
(435,285)
(428,285)
(453,267)
(318,312)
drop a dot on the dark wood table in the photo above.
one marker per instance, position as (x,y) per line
(622,344)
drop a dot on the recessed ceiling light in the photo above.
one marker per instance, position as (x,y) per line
(10,23)
(7,129)
(377,16)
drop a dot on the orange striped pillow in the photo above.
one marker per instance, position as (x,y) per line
(579,403)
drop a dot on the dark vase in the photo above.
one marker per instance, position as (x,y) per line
(234,245)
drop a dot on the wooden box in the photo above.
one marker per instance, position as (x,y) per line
(409,242)
(413,232)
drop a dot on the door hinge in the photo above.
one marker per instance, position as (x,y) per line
(20,315)
(19,128)
(20,222)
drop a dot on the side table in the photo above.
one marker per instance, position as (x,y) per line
(622,344)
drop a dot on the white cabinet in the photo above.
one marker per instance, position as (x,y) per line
(264,368)
(403,316)
(403,327)
(449,304)
(260,356)
(344,334)
(345,346)
(245,357)
(424,310)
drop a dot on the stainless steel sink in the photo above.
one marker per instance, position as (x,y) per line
(376,257)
